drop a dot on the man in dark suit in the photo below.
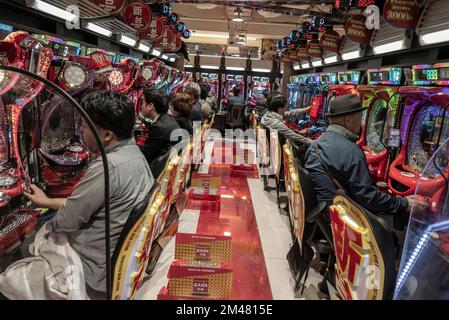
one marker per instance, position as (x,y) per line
(154,105)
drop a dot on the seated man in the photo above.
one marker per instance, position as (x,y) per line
(193,89)
(235,99)
(273,119)
(154,105)
(81,216)
(334,160)
(335,154)
(206,106)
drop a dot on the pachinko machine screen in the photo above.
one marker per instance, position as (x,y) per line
(427,133)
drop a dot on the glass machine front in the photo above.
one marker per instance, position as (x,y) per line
(424,267)
(375,137)
(427,133)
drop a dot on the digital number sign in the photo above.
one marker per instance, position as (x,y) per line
(431,74)
(443,74)
(438,74)
(380,76)
(426,74)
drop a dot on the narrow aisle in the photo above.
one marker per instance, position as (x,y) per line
(260,235)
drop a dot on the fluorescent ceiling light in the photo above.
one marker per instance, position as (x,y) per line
(209,67)
(143,48)
(188,66)
(296,67)
(260,70)
(305,65)
(172,59)
(156,53)
(317,63)
(127,40)
(235,68)
(331,59)
(351,55)
(434,37)
(97,29)
(53,10)
(164,56)
(237,15)
(389,47)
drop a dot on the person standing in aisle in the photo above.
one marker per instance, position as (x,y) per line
(193,89)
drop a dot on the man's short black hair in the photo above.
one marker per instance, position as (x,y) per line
(112,111)
(271,96)
(158,98)
(204,90)
(266,93)
(277,102)
(236,91)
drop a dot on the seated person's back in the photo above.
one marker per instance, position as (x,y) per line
(82,216)
(236,99)
(193,89)
(181,108)
(154,105)
(335,155)
(273,120)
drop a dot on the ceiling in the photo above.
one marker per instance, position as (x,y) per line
(211,21)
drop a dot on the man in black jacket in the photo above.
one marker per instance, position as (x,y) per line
(154,105)
(335,154)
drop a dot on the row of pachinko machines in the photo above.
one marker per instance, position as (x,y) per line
(40,131)
(405,137)
(405,122)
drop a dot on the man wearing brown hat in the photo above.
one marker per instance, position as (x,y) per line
(335,155)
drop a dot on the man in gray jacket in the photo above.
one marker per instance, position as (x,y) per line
(81,216)
(274,120)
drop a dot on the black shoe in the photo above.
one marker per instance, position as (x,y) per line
(323,291)
(322,270)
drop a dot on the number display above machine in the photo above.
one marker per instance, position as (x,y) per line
(349,77)
(209,76)
(61,49)
(328,78)
(386,76)
(437,74)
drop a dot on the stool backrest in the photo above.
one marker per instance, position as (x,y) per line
(131,254)
(364,249)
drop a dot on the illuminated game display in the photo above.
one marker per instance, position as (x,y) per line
(381,98)
(258,86)
(424,128)
(61,49)
(211,79)
(328,78)
(294,87)
(232,80)
(311,95)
